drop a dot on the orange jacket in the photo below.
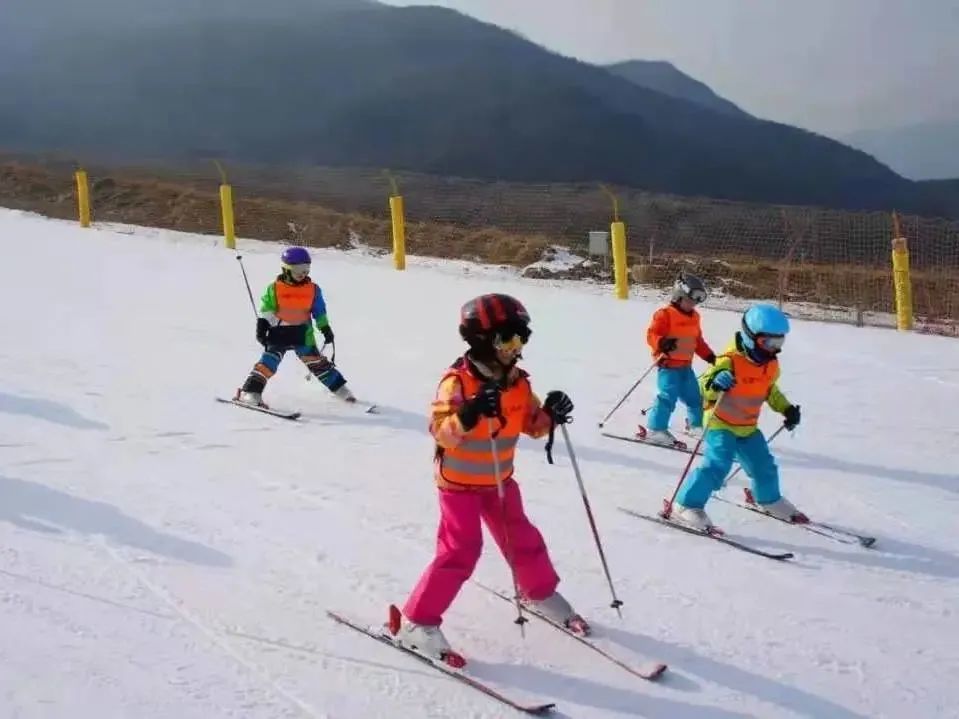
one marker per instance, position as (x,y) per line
(464,459)
(742,404)
(670,322)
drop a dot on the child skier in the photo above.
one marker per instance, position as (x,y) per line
(675,335)
(482,391)
(288,308)
(735,389)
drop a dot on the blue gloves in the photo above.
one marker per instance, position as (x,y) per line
(723,380)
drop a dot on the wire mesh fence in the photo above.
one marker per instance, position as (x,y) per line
(822,263)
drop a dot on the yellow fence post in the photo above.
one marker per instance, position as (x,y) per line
(398,217)
(83,197)
(618,234)
(226,209)
(902,281)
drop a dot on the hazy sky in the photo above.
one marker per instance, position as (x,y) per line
(827,65)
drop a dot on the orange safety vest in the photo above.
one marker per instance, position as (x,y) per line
(294,303)
(742,404)
(686,329)
(470,463)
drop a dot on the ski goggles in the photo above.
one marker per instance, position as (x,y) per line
(697,295)
(298,272)
(512,339)
(771,343)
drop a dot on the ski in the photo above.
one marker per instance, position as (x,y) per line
(380,634)
(648,671)
(863,539)
(265,410)
(677,447)
(367,407)
(718,536)
(843,536)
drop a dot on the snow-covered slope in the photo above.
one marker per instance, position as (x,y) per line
(163,555)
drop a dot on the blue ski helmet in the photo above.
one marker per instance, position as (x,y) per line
(764,331)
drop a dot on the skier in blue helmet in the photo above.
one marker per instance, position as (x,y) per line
(735,388)
(290,306)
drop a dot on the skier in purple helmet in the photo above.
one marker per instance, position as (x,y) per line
(289,307)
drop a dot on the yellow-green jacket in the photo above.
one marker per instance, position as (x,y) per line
(774,397)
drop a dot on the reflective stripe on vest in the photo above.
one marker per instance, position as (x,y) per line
(474,457)
(685,329)
(742,404)
(294,303)
(471,461)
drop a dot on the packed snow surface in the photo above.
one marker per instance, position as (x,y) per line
(163,555)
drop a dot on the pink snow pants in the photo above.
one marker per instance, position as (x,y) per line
(459,542)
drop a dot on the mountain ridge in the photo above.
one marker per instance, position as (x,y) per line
(419,88)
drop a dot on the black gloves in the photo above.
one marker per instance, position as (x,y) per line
(486,403)
(792,417)
(327,334)
(712,358)
(667,344)
(262,331)
(558,405)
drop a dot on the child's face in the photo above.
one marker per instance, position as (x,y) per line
(686,304)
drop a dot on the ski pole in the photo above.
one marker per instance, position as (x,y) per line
(508,551)
(740,467)
(246,281)
(631,390)
(616,603)
(668,503)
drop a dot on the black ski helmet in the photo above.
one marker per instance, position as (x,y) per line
(485,317)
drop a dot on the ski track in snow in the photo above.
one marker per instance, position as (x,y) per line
(165,555)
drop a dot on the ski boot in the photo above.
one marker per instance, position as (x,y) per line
(663,438)
(252,398)
(557,609)
(692,517)
(426,639)
(344,394)
(785,510)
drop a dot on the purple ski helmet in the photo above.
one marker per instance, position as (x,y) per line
(295,256)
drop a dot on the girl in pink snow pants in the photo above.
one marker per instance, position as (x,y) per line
(485,397)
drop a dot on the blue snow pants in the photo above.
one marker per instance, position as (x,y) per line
(676,383)
(722,449)
(319,366)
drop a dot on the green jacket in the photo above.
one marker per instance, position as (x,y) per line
(775,399)
(268,310)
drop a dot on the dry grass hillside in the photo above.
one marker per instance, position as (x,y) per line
(835,263)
